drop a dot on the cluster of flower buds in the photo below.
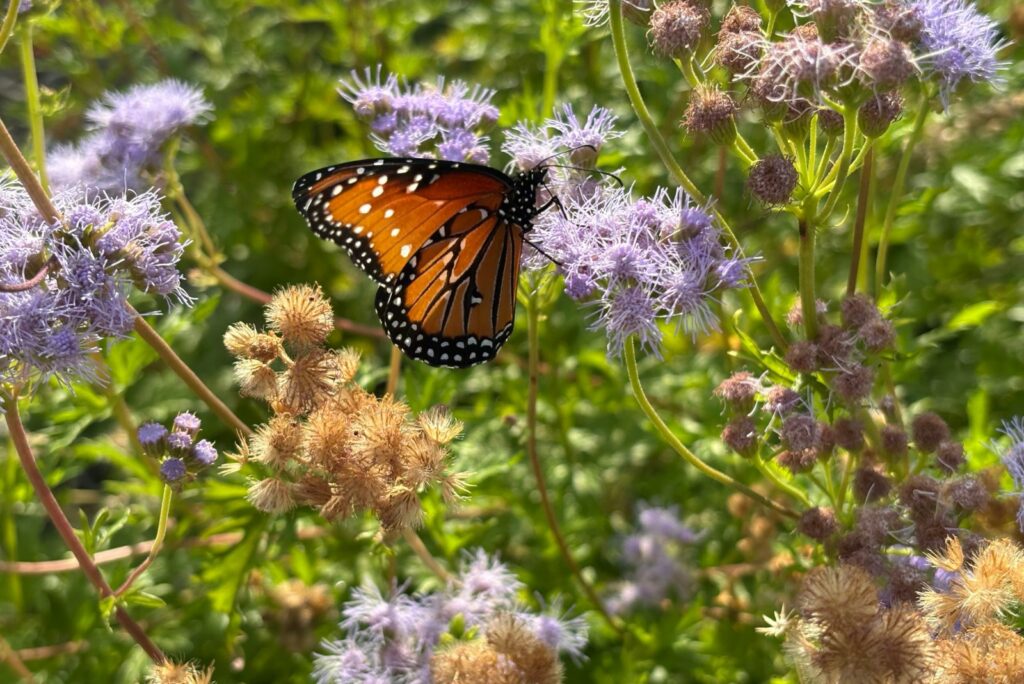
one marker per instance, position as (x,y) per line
(180,454)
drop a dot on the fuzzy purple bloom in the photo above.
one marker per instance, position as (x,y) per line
(187,422)
(204,452)
(151,437)
(179,442)
(173,470)
(1013,456)
(962,44)
(406,119)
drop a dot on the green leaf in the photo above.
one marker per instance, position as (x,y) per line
(228,574)
(144,599)
(973,315)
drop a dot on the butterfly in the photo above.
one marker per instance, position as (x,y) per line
(442,239)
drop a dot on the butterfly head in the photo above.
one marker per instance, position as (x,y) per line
(520,204)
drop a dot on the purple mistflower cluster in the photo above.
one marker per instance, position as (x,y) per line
(181,456)
(128,130)
(1013,458)
(439,120)
(961,42)
(564,133)
(391,638)
(91,261)
(653,556)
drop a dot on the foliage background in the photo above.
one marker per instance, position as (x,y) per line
(270,69)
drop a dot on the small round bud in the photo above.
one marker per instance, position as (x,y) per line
(854,384)
(950,456)
(877,524)
(830,122)
(899,20)
(204,452)
(712,113)
(739,391)
(179,443)
(802,356)
(781,400)
(796,123)
(738,52)
(740,435)
(835,346)
(929,431)
(798,461)
(968,493)
(894,441)
(772,180)
(799,432)
(870,484)
(678,27)
(188,423)
(886,64)
(826,440)
(875,115)
(173,470)
(818,523)
(834,19)
(878,335)
(920,494)
(904,583)
(152,438)
(849,434)
(857,310)
(741,18)
(806,32)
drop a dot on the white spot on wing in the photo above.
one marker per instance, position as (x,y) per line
(406,249)
(365,209)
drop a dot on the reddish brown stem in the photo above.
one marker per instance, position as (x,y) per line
(28,178)
(67,532)
(257,295)
(31,282)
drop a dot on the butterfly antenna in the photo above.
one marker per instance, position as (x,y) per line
(548,256)
(580,168)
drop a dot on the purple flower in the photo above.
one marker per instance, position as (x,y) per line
(348,662)
(179,443)
(556,629)
(564,133)
(376,618)
(151,437)
(405,119)
(665,523)
(187,422)
(204,452)
(628,312)
(1013,456)
(173,470)
(961,43)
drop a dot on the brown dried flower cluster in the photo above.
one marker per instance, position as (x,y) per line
(297,609)
(330,444)
(842,633)
(508,653)
(169,672)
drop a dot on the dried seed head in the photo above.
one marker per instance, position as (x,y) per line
(875,115)
(256,379)
(836,596)
(967,493)
(798,461)
(772,179)
(920,494)
(858,310)
(849,434)
(781,400)
(950,456)
(712,113)
(826,440)
(399,510)
(878,335)
(802,356)
(740,435)
(830,122)
(739,391)
(277,443)
(271,496)
(818,523)
(929,431)
(309,381)
(870,484)
(737,53)
(471,661)
(899,20)
(346,365)
(245,342)
(894,441)
(678,27)
(536,660)
(886,64)
(741,18)
(799,432)
(170,672)
(833,19)
(301,315)
(854,384)
(439,426)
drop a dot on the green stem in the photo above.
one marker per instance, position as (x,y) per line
(842,167)
(770,29)
(158,542)
(826,155)
(10,18)
(666,434)
(35,110)
(863,204)
(665,154)
(808,301)
(533,342)
(787,487)
(844,484)
(897,192)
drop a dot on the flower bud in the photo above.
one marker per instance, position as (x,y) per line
(712,113)
(738,52)
(740,435)
(834,19)
(875,115)
(739,19)
(830,122)
(678,27)
(899,20)
(886,64)
(772,180)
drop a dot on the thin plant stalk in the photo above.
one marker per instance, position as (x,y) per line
(11,658)
(420,549)
(665,154)
(394,371)
(67,532)
(10,19)
(842,166)
(533,341)
(808,301)
(151,337)
(28,179)
(766,470)
(35,109)
(158,542)
(896,193)
(863,205)
(669,438)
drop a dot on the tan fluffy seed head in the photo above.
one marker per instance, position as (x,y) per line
(439,426)
(169,672)
(278,442)
(472,661)
(537,661)
(301,315)
(271,496)
(309,381)
(837,595)
(256,379)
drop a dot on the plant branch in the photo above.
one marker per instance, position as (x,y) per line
(158,542)
(35,110)
(808,301)
(10,18)
(863,205)
(420,549)
(681,449)
(28,178)
(394,371)
(31,282)
(67,532)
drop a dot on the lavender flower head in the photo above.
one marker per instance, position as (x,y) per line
(104,247)
(392,638)
(1013,458)
(961,43)
(129,129)
(655,569)
(529,145)
(407,120)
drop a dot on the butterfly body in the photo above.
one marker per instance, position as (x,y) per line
(442,239)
